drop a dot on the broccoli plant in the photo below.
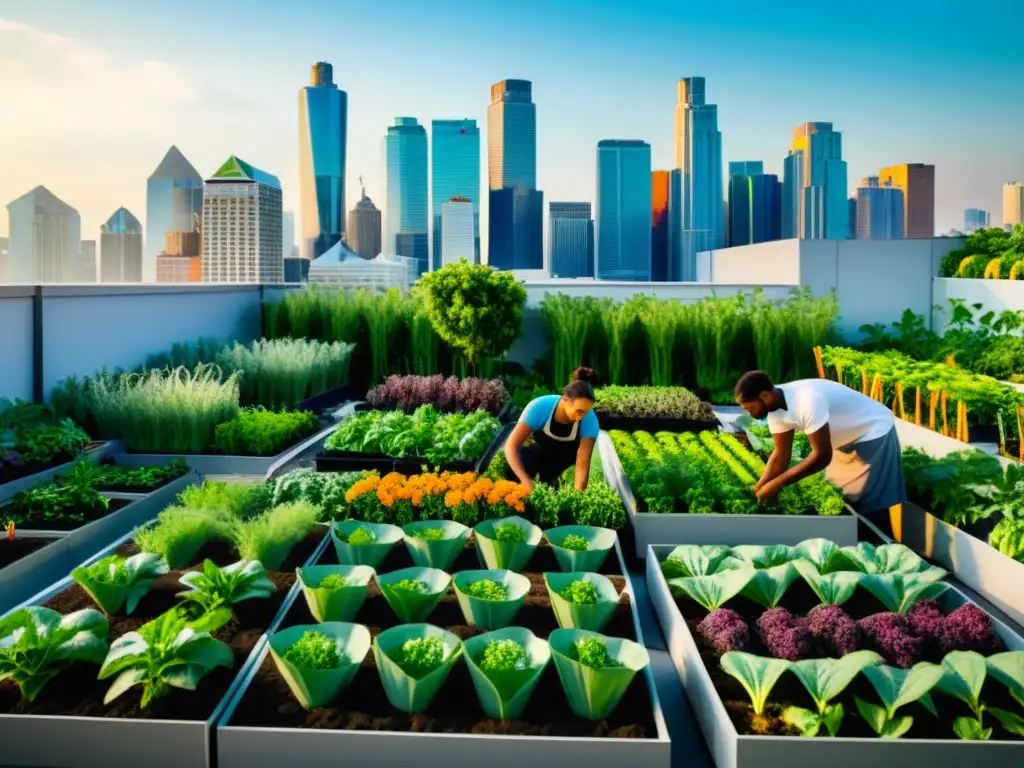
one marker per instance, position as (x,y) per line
(37,643)
(165,653)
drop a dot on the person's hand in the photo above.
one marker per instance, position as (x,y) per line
(768,491)
(527,484)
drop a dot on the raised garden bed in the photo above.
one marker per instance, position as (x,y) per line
(114,479)
(728,721)
(67,548)
(653,409)
(760,528)
(12,484)
(264,724)
(173,730)
(327,402)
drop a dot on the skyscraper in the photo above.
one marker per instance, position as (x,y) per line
(45,239)
(755,205)
(121,248)
(458,241)
(241,230)
(879,211)
(815,194)
(975,219)
(406,211)
(659,225)
(85,271)
(622,228)
(1013,203)
(746,168)
(454,172)
(288,234)
(364,228)
(174,197)
(696,205)
(917,182)
(570,240)
(323,126)
(516,208)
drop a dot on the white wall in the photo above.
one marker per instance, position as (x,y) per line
(774,263)
(16,345)
(993,295)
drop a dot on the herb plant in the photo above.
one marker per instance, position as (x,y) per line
(575,543)
(509,533)
(593,652)
(258,432)
(580,592)
(360,537)
(420,656)
(332,581)
(314,650)
(486,589)
(428,534)
(214,587)
(504,655)
(57,506)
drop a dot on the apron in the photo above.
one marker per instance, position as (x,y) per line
(551,454)
(870,474)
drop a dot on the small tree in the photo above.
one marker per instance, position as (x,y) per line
(474,308)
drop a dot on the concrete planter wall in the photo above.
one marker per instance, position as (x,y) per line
(97,454)
(650,528)
(729,749)
(30,575)
(990,573)
(251,747)
(933,443)
(212,464)
(58,741)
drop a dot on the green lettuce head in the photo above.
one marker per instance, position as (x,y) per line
(508,543)
(595,670)
(359,543)
(505,666)
(490,599)
(319,661)
(334,592)
(414,661)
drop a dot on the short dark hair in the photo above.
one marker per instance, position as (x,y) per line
(582,385)
(752,385)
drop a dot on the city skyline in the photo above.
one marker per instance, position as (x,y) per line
(195,103)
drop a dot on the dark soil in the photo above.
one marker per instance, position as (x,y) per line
(9,473)
(788,691)
(77,692)
(268,701)
(13,551)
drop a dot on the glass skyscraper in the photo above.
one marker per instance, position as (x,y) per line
(815,185)
(121,248)
(323,125)
(570,240)
(879,211)
(174,198)
(516,215)
(975,219)
(455,172)
(660,181)
(623,225)
(406,211)
(755,204)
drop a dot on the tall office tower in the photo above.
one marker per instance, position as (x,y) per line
(975,219)
(570,240)
(46,239)
(174,197)
(1013,203)
(323,127)
(288,234)
(755,207)
(659,225)
(364,223)
(406,212)
(121,248)
(851,218)
(516,214)
(917,182)
(85,272)
(696,205)
(458,227)
(622,229)
(241,227)
(746,168)
(815,203)
(454,172)
(879,211)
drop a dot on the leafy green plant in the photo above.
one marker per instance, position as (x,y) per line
(831,588)
(314,650)
(690,560)
(213,587)
(137,478)
(487,589)
(420,656)
(757,675)
(37,644)
(592,651)
(242,500)
(824,680)
(899,591)
(504,656)
(896,688)
(580,592)
(270,537)
(509,533)
(714,591)
(115,581)
(575,543)
(57,506)
(648,402)
(164,653)
(257,432)
(768,586)
(360,537)
(429,534)
(179,533)
(332,581)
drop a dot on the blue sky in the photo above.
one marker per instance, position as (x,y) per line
(95,92)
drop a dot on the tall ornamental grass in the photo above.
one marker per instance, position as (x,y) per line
(166,410)
(277,374)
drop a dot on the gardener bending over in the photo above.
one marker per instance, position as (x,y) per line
(852,437)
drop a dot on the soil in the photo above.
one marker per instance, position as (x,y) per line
(13,551)
(789,691)
(9,474)
(77,692)
(268,702)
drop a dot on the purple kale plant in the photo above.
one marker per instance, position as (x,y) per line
(784,635)
(443,394)
(891,636)
(969,628)
(725,630)
(835,631)
(927,621)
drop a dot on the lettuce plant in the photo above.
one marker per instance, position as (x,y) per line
(768,586)
(1008,668)
(314,650)
(505,667)
(761,557)
(165,653)
(694,560)
(116,580)
(831,588)
(896,688)
(420,656)
(725,630)
(428,534)
(509,533)
(575,543)
(214,587)
(887,558)
(899,591)
(595,670)
(963,676)
(824,680)
(504,656)
(579,592)
(487,589)
(360,537)
(592,651)
(332,581)
(712,592)
(318,661)
(413,593)
(757,675)
(37,644)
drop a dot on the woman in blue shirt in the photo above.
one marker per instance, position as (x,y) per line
(564,428)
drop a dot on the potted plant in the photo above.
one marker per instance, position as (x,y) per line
(580,548)
(334,592)
(595,670)
(414,661)
(581,600)
(319,661)
(505,666)
(359,543)
(507,543)
(413,593)
(435,543)
(490,599)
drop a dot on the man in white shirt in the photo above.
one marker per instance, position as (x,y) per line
(852,437)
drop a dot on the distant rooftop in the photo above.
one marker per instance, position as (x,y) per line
(236,168)
(175,167)
(43,198)
(122,222)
